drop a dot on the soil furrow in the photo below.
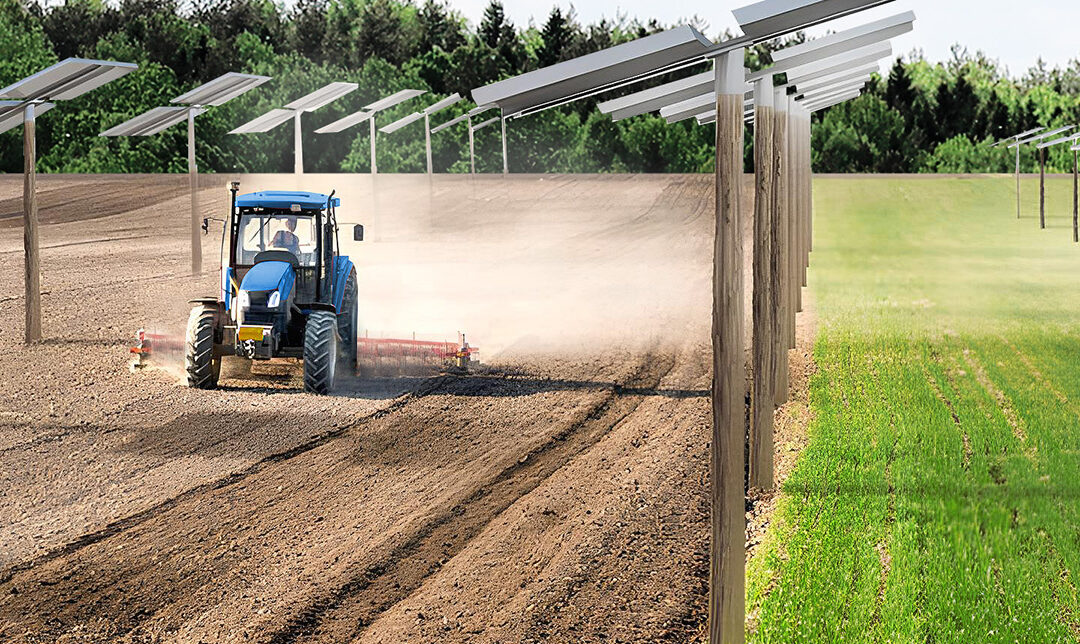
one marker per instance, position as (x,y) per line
(138,518)
(344,613)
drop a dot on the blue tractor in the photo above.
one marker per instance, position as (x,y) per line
(286,291)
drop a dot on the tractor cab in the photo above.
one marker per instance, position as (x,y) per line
(286,290)
(280,229)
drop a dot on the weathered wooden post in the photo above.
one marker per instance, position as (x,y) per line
(506,159)
(427,142)
(727,562)
(808,179)
(193,179)
(1018,181)
(765,298)
(371,127)
(472,147)
(1076,194)
(30,228)
(1042,188)
(782,248)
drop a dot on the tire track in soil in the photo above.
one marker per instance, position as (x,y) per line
(163,573)
(138,518)
(344,613)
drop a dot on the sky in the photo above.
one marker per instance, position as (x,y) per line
(1014,33)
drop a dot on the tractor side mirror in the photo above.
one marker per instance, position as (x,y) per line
(358,232)
(206,225)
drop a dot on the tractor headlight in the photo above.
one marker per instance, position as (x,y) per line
(243,300)
(274,299)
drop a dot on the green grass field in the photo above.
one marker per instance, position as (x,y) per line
(939,497)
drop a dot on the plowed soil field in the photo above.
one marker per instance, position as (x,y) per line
(556,494)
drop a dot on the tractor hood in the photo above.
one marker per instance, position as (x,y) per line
(269,276)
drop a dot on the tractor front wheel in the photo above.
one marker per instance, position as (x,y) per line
(320,352)
(200,363)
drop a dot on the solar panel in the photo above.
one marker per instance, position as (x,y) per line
(829,101)
(838,43)
(485,123)
(771,18)
(1064,139)
(152,122)
(594,71)
(841,62)
(345,123)
(1017,137)
(321,97)
(11,113)
(838,87)
(1044,135)
(67,79)
(655,98)
(443,104)
(480,109)
(709,116)
(450,123)
(393,99)
(693,106)
(221,90)
(810,83)
(400,123)
(265,123)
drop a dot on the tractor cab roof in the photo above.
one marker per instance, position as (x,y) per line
(285,200)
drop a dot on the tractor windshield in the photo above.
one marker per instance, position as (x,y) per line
(288,231)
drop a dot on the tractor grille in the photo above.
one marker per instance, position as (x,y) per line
(257,312)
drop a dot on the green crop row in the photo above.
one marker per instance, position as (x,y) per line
(938,499)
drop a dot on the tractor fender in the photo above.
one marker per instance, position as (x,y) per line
(342,267)
(319,306)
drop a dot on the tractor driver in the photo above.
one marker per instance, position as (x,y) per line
(286,239)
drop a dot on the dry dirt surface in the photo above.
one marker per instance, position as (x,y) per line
(556,494)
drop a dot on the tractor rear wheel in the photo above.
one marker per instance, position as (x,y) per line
(320,352)
(200,363)
(348,324)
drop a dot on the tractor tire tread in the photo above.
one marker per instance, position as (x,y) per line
(320,352)
(199,361)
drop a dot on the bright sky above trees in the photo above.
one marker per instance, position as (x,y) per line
(1016,33)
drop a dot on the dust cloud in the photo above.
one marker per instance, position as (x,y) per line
(525,263)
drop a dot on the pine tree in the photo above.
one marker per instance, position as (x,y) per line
(556,36)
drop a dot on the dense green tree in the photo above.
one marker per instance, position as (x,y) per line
(308,28)
(440,28)
(923,116)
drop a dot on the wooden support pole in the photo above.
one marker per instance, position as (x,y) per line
(783,284)
(506,160)
(371,126)
(193,177)
(798,215)
(30,227)
(472,147)
(427,140)
(808,178)
(1042,188)
(1018,180)
(764,340)
(727,463)
(1076,196)
(790,224)
(298,144)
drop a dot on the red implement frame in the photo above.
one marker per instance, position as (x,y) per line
(371,349)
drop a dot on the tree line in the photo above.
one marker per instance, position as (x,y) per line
(921,116)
